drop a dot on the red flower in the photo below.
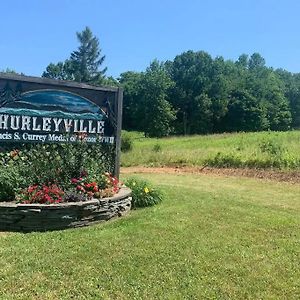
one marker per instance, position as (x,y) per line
(80,188)
(74,180)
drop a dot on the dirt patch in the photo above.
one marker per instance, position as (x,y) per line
(284,176)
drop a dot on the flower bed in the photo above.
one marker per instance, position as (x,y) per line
(48,187)
(42,217)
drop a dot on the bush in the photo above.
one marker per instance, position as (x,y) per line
(9,183)
(271,147)
(156,148)
(143,194)
(126,142)
(39,164)
(224,160)
(34,173)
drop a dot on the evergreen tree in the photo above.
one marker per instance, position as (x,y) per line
(84,63)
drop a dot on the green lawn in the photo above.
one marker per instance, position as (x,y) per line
(212,238)
(254,150)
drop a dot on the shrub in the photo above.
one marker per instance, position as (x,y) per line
(126,142)
(29,172)
(40,164)
(224,160)
(9,183)
(143,194)
(156,148)
(271,147)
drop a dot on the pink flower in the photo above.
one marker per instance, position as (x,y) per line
(74,180)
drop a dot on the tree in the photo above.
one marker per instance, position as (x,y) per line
(132,100)
(292,93)
(267,87)
(146,105)
(86,61)
(10,71)
(242,61)
(60,71)
(200,92)
(256,61)
(245,113)
(158,112)
(83,64)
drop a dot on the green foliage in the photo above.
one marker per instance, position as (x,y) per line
(126,142)
(192,75)
(57,163)
(245,113)
(210,95)
(60,71)
(256,61)
(146,107)
(143,194)
(9,183)
(87,59)
(224,160)
(10,71)
(156,148)
(271,147)
(83,64)
(250,150)
(132,101)
(43,164)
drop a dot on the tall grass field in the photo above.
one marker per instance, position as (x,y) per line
(279,150)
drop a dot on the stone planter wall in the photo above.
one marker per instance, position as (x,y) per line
(43,217)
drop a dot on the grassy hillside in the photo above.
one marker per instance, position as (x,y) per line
(212,238)
(254,150)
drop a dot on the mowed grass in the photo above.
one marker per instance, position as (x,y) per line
(255,150)
(212,238)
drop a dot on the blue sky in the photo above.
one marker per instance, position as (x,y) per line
(134,32)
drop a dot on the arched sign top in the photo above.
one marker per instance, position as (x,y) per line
(66,103)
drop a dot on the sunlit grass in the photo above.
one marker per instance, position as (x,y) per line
(212,238)
(257,150)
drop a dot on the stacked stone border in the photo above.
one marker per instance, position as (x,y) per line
(45,217)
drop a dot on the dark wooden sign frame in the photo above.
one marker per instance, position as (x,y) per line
(110,99)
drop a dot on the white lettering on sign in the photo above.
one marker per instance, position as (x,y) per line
(56,123)
(28,123)
(4,122)
(47,129)
(15,122)
(34,126)
(46,124)
(26,120)
(100,127)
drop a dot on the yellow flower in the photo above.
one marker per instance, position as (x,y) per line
(133,183)
(146,190)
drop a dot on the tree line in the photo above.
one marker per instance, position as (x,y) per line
(198,94)
(192,94)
